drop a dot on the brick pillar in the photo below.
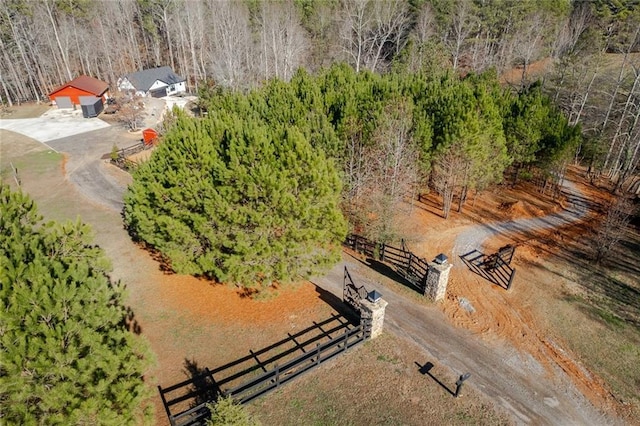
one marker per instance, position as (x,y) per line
(372,316)
(437,280)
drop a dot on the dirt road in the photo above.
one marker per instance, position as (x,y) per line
(473,237)
(513,380)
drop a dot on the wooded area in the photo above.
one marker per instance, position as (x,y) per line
(590,48)
(248,195)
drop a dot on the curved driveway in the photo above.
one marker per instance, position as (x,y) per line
(474,236)
(87,165)
(513,380)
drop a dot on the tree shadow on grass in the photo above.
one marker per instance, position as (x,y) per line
(203,386)
(131,323)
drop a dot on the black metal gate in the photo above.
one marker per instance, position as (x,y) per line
(494,267)
(351,293)
(412,268)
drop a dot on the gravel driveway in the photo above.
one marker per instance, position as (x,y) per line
(474,237)
(513,380)
(88,165)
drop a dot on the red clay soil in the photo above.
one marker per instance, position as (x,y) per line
(512,315)
(226,305)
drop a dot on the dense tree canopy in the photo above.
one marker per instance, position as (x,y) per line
(251,193)
(66,356)
(586,52)
(235,199)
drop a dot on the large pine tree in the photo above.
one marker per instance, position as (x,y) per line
(66,356)
(238,200)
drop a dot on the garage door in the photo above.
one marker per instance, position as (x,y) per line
(159,93)
(88,100)
(63,102)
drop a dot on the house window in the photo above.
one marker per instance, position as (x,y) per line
(172,88)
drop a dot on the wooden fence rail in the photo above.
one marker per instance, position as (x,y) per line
(280,374)
(257,386)
(261,371)
(133,149)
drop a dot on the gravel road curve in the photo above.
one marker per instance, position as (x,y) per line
(473,237)
(88,170)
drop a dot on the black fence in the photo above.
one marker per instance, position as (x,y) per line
(261,371)
(494,267)
(352,294)
(412,268)
(280,374)
(189,406)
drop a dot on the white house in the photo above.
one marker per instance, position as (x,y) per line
(156,82)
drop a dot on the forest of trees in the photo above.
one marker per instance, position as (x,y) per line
(251,192)
(66,353)
(590,49)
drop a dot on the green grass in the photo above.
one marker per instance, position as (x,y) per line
(609,318)
(387,358)
(38,162)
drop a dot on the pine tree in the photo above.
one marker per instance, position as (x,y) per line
(234,199)
(66,356)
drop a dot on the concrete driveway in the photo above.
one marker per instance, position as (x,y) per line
(87,143)
(52,125)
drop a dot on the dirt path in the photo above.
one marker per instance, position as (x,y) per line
(474,237)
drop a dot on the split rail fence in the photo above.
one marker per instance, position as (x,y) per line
(122,160)
(186,402)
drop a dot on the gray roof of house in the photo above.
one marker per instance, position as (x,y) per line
(143,80)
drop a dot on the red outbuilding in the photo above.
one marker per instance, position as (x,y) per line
(149,136)
(83,90)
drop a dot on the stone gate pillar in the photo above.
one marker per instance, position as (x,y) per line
(372,314)
(437,279)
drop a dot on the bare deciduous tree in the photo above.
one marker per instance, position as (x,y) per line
(283,40)
(231,44)
(463,23)
(449,168)
(373,30)
(394,158)
(613,228)
(131,111)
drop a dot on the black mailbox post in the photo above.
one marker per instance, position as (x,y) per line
(459,383)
